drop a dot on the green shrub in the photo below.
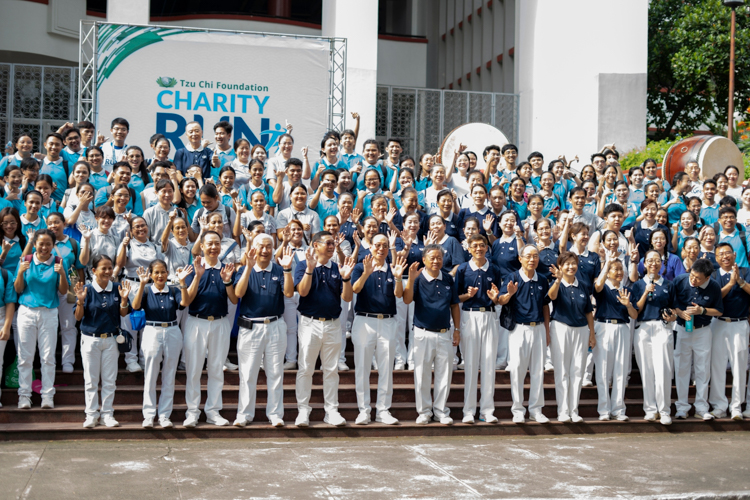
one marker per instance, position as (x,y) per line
(653,149)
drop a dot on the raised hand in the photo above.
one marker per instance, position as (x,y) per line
(413,271)
(251,257)
(23,265)
(512,288)
(348,267)
(7,245)
(198,266)
(80,291)
(339,239)
(126,239)
(355,115)
(59,268)
(287,257)
(124,290)
(633,252)
(392,237)
(311,259)
(30,234)
(367,264)
(227,272)
(471,291)
(493,293)
(357,239)
(624,297)
(85,232)
(143,275)
(86,198)
(203,222)
(303,151)
(398,266)
(431,238)
(286,234)
(391,214)
(487,223)
(556,272)
(356,214)
(184,273)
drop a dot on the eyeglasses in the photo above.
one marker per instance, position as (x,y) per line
(10,224)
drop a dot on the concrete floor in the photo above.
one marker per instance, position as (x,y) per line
(699,465)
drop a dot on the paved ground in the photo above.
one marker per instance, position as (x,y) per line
(700,465)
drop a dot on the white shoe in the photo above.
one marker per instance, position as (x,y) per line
(218,421)
(680,415)
(587,383)
(719,413)
(134,367)
(539,418)
(148,423)
(454,367)
(190,422)
(334,418)
(604,417)
(109,421)
(461,365)
(736,415)
(564,419)
(423,420)
(500,366)
(576,419)
(518,418)
(443,420)
(348,334)
(343,367)
(489,418)
(468,419)
(385,417)
(90,422)
(399,366)
(650,417)
(703,416)
(746,413)
(24,402)
(363,418)
(303,418)
(165,423)
(411,367)
(665,420)
(67,368)
(290,365)
(228,365)
(239,422)
(548,367)
(622,418)
(48,403)
(276,421)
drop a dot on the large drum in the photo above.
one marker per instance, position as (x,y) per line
(712,152)
(475,136)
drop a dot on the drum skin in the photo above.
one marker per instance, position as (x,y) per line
(712,152)
(475,136)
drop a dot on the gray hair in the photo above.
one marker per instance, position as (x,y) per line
(261,238)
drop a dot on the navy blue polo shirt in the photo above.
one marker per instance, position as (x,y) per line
(347,229)
(363,252)
(452,227)
(608,304)
(685,295)
(662,298)
(265,292)
(378,295)
(505,256)
(707,255)
(528,302)
(211,299)
(398,220)
(465,213)
(101,310)
(324,298)
(547,257)
(414,255)
(589,267)
(642,235)
(453,253)
(572,304)
(736,302)
(161,306)
(433,300)
(479,277)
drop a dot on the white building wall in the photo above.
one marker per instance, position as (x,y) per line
(402,63)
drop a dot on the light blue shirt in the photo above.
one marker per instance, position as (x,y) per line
(57,172)
(41,285)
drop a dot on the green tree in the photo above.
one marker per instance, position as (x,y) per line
(688,65)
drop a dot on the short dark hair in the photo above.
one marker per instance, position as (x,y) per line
(491,147)
(600,155)
(225,125)
(85,124)
(293,161)
(104,212)
(121,164)
(576,190)
(535,154)
(508,147)
(120,121)
(319,236)
(565,257)
(203,237)
(723,244)
(53,134)
(162,184)
(709,181)
(396,140)
(727,210)
(69,131)
(729,201)
(476,237)
(371,141)
(703,266)
(44,232)
(613,207)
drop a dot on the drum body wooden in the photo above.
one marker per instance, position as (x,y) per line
(712,152)
(475,136)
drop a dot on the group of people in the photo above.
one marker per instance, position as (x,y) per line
(427,266)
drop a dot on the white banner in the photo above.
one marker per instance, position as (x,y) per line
(159,79)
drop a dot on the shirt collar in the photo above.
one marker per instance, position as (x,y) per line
(652,227)
(648,280)
(100,289)
(327,264)
(47,162)
(48,262)
(704,285)
(550,246)
(525,278)
(64,239)
(24,220)
(383,268)
(15,238)
(216,266)
(613,287)
(723,272)
(484,267)
(430,278)
(575,251)
(70,151)
(267,269)
(507,239)
(190,148)
(156,290)
(566,284)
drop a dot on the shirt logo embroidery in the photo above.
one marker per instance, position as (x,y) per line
(390,280)
(334,276)
(583,296)
(540,287)
(705,297)
(275,278)
(447,288)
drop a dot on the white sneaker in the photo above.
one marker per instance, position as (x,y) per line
(539,418)
(576,419)
(604,417)
(706,416)
(443,420)
(134,367)
(680,415)
(363,418)
(461,365)
(650,417)
(399,366)
(736,415)
(239,422)
(489,418)
(218,421)
(454,368)
(499,365)
(165,423)
(276,421)
(290,365)
(90,422)
(665,420)
(587,383)
(385,417)
(334,418)
(228,365)
(563,419)
(24,402)
(48,403)
(148,423)
(622,418)
(468,419)
(411,367)
(719,413)
(109,421)
(190,422)
(67,368)
(548,367)
(518,418)
(343,367)
(423,420)
(303,418)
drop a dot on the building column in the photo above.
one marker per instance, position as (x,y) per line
(128,11)
(581,74)
(357,21)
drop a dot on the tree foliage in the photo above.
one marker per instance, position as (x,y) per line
(688,65)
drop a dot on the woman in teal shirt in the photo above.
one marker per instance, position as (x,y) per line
(139,177)
(14,241)
(676,204)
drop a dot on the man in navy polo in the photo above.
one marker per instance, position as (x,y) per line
(436,311)
(730,334)
(697,299)
(262,332)
(525,292)
(321,285)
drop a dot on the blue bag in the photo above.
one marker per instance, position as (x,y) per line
(138,319)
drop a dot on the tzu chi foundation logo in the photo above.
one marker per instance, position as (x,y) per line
(166,81)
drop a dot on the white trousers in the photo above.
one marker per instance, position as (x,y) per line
(502,343)
(588,374)
(160,346)
(37,326)
(526,345)
(203,340)
(372,336)
(404,324)
(729,344)
(343,319)
(318,338)
(432,348)
(694,349)
(479,333)
(132,355)
(291,318)
(263,340)
(654,352)
(569,346)
(611,358)
(68,332)
(99,357)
